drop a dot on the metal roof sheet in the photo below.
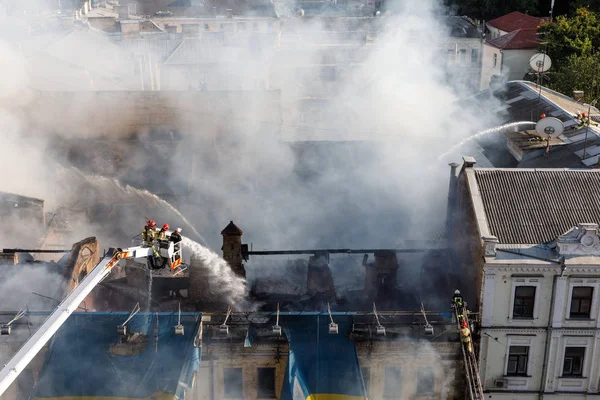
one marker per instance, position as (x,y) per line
(531,206)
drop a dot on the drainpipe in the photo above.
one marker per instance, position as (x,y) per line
(451,197)
(549,332)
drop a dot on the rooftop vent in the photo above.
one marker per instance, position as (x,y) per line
(578,95)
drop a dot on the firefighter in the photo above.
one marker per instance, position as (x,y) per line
(465,336)
(162,234)
(458,304)
(176,239)
(149,233)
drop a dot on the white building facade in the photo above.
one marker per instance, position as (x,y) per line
(539,303)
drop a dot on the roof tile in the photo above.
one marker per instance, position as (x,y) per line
(516,20)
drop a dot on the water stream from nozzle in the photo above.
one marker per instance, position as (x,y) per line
(497,129)
(224,283)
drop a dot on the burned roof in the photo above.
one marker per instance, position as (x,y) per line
(531,206)
(515,40)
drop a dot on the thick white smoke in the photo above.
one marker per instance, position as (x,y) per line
(357,168)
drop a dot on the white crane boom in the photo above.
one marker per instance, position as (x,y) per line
(34,344)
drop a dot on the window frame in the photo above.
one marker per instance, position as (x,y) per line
(259,395)
(517,373)
(514,301)
(387,395)
(572,288)
(430,388)
(516,340)
(583,361)
(516,282)
(225,394)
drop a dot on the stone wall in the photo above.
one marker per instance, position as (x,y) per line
(374,356)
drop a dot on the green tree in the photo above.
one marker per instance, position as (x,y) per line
(578,72)
(566,36)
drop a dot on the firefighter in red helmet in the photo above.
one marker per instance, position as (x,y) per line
(465,336)
(162,234)
(149,233)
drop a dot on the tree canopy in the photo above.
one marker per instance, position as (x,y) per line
(572,43)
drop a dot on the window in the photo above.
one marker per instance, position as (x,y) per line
(241,26)
(573,365)
(495,60)
(451,56)
(462,56)
(392,382)
(518,356)
(266,383)
(254,26)
(425,382)
(524,302)
(581,302)
(206,27)
(232,383)
(474,56)
(366,373)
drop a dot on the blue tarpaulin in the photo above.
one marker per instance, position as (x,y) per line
(321,366)
(88,358)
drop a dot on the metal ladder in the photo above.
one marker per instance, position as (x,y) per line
(475,391)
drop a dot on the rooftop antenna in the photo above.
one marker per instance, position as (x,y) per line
(276,327)
(179,327)
(224,327)
(379,328)
(428,327)
(540,63)
(548,128)
(333,327)
(6,328)
(122,329)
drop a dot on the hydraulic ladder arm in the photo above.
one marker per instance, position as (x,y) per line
(38,340)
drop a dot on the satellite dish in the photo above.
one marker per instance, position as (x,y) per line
(540,62)
(549,127)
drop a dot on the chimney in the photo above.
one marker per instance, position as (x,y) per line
(232,248)
(319,282)
(381,276)
(468,162)
(451,196)
(578,95)
(490,245)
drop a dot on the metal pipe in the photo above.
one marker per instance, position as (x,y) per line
(548,337)
(342,251)
(10,251)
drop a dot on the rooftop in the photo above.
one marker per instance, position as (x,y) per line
(515,20)
(532,206)
(515,40)
(461,27)
(523,101)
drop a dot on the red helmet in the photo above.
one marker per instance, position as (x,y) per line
(583,115)
(543,116)
(464,324)
(151,223)
(165,227)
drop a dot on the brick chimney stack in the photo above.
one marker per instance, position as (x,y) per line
(232,248)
